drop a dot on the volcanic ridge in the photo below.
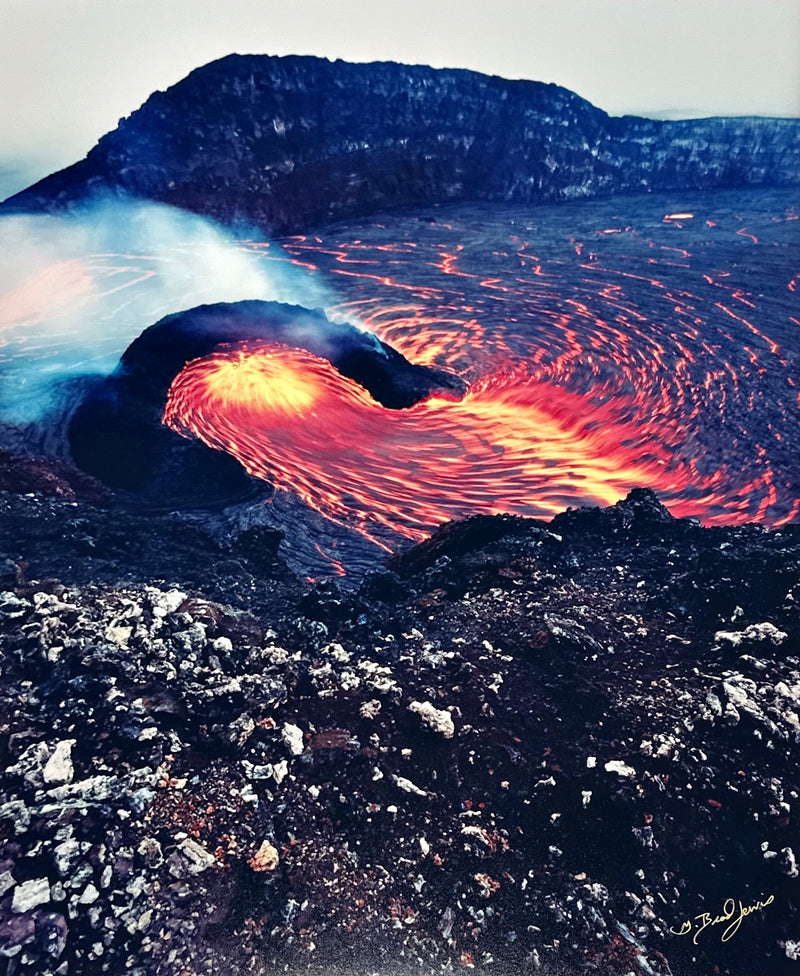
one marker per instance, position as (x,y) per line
(289,142)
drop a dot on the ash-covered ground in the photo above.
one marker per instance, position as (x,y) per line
(522,747)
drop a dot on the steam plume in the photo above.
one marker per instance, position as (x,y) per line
(76,290)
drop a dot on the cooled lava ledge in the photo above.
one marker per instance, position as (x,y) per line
(530,748)
(116,432)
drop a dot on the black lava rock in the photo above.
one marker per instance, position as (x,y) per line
(530,747)
(291,142)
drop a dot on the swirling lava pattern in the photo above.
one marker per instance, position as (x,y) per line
(657,347)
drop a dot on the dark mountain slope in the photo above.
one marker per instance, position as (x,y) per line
(290,142)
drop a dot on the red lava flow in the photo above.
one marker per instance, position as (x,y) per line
(512,444)
(587,377)
(595,360)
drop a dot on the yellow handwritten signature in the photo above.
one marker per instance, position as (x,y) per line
(733,912)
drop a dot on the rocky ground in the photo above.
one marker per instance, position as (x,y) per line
(522,747)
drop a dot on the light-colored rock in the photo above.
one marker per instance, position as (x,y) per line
(13,607)
(437,719)
(791,692)
(337,652)
(89,895)
(731,715)
(755,633)
(164,603)
(370,709)
(58,769)
(620,768)
(95,789)
(144,920)
(407,786)
(788,863)
(666,746)
(118,634)
(150,849)
(597,892)
(65,855)
(30,894)
(266,858)
(765,632)
(292,737)
(189,858)
(736,695)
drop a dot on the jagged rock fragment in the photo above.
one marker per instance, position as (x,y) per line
(266,858)
(58,769)
(437,719)
(189,858)
(30,894)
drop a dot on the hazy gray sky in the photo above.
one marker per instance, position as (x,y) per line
(69,69)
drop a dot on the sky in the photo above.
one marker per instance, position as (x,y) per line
(70,69)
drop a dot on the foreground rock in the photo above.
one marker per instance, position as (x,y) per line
(527,747)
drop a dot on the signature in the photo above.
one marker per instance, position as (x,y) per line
(733,912)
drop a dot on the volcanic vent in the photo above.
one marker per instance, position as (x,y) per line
(116,433)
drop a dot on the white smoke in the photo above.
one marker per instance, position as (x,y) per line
(76,290)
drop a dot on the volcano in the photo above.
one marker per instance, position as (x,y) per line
(530,740)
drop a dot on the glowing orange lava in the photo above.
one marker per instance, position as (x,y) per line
(515,443)
(263,383)
(589,374)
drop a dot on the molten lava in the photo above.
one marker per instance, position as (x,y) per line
(264,384)
(513,444)
(517,442)
(606,345)
(589,374)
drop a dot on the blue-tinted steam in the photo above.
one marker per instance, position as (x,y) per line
(76,290)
